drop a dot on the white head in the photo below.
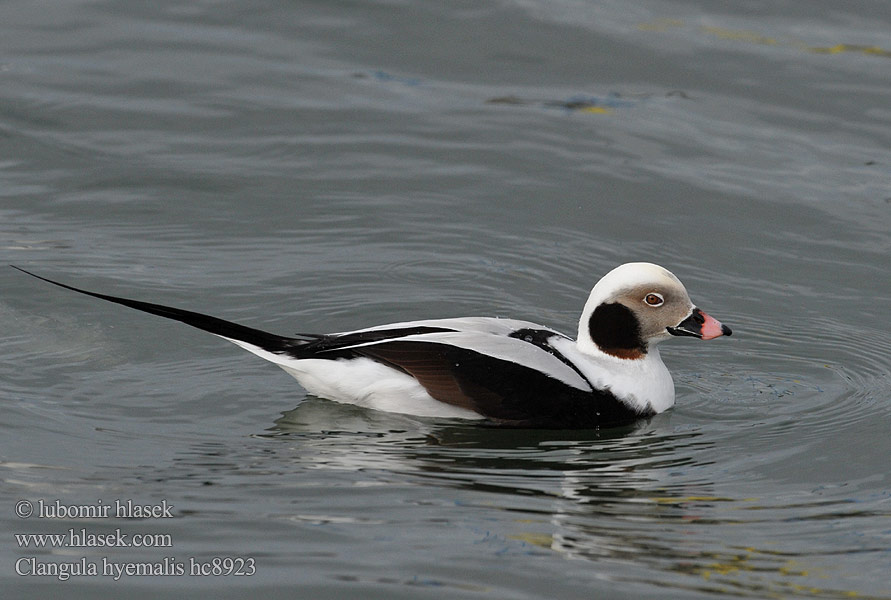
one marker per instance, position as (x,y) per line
(637,305)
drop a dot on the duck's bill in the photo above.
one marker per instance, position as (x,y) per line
(701,325)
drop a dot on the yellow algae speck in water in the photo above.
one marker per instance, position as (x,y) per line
(753,37)
(660,24)
(596,110)
(542,540)
(739,35)
(839,48)
(877,51)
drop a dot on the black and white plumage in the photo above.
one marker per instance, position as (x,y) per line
(507,371)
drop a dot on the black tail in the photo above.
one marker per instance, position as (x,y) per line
(226,329)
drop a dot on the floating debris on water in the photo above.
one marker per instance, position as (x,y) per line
(753,37)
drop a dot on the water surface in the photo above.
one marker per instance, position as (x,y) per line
(317,166)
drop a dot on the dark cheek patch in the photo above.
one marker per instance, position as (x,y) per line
(616,331)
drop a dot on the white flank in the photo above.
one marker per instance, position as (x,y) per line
(363,382)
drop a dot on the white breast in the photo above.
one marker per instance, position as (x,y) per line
(644,384)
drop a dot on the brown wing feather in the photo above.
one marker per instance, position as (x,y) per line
(437,371)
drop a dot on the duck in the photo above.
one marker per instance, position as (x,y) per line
(500,371)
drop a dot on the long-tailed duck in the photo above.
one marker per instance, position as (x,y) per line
(505,371)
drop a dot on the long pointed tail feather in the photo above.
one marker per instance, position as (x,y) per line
(226,329)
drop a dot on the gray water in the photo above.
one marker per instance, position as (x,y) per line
(322,166)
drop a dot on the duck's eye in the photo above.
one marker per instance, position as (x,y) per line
(654,299)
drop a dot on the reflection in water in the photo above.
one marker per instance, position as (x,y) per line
(629,500)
